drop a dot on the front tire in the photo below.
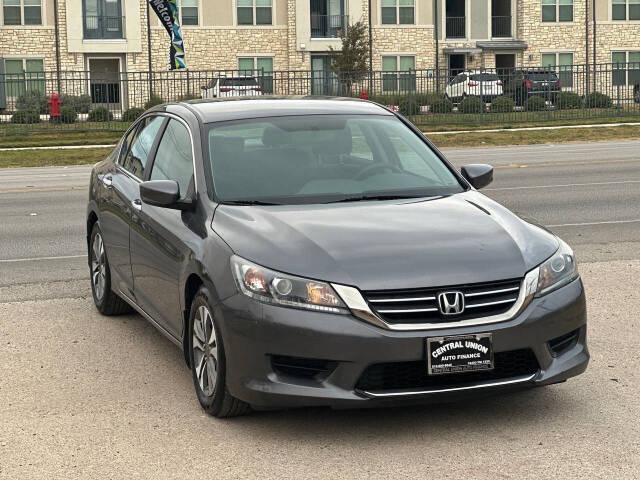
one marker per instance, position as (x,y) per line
(208,361)
(106,301)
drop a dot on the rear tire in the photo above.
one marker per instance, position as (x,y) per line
(208,361)
(106,301)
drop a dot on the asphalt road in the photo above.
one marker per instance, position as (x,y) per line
(85,396)
(589,194)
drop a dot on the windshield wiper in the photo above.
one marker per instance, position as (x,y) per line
(248,202)
(360,198)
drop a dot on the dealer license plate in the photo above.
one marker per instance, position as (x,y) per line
(458,354)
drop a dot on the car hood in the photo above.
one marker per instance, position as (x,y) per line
(463,238)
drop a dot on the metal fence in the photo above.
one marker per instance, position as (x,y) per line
(111,100)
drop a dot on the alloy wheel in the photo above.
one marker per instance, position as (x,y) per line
(205,350)
(98,266)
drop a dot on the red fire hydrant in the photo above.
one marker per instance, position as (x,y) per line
(364,95)
(54,108)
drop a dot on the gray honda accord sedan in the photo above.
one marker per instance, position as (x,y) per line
(322,252)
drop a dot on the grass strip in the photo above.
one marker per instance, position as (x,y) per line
(42,158)
(46,158)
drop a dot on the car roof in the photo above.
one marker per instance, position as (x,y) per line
(238,108)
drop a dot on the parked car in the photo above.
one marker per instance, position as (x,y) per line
(232,87)
(522,84)
(323,252)
(486,86)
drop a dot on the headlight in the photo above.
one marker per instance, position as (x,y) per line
(279,288)
(557,271)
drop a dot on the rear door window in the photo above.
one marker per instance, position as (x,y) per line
(139,144)
(174,158)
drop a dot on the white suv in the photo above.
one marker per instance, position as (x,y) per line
(487,86)
(239,86)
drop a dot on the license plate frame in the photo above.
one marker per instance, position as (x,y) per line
(475,359)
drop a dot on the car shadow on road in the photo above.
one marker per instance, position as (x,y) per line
(518,409)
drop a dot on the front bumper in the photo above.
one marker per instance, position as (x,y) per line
(254,332)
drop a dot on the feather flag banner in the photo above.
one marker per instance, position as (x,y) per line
(167,12)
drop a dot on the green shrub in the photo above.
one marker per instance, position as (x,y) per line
(100,114)
(25,116)
(187,96)
(409,106)
(132,114)
(68,114)
(502,105)
(427,99)
(442,105)
(471,105)
(569,100)
(598,100)
(33,101)
(535,104)
(80,103)
(153,101)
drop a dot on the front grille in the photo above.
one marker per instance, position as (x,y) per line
(413,375)
(421,305)
(308,368)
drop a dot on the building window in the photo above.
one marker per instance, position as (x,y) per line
(23,75)
(254,12)
(188,12)
(625,10)
(22,12)
(625,68)
(398,12)
(562,63)
(259,67)
(557,10)
(398,73)
(102,19)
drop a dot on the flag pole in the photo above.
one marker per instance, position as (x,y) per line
(149,52)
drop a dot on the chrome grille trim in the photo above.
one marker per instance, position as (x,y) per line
(411,310)
(413,299)
(492,292)
(361,309)
(488,304)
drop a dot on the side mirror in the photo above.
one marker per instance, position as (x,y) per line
(163,193)
(478,174)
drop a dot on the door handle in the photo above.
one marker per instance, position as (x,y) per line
(107,180)
(136,204)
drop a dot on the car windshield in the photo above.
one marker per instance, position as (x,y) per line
(485,77)
(238,82)
(323,158)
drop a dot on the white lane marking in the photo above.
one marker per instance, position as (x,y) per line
(53,147)
(586,224)
(559,127)
(33,259)
(564,185)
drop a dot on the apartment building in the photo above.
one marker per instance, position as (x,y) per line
(106,37)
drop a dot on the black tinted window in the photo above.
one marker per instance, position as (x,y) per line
(485,77)
(174,160)
(238,82)
(541,76)
(139,144)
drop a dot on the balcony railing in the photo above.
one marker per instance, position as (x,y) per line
(102,27)
(328,26)
(501,27)
(455,27)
